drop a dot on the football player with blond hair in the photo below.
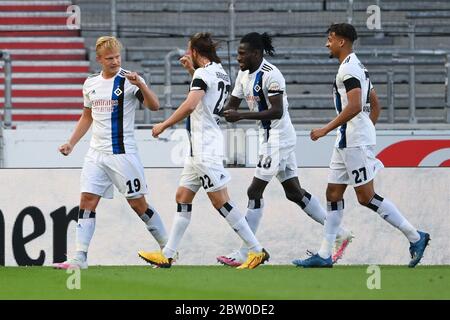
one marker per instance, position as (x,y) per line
(110,101)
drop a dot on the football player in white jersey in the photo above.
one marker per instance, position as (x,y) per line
(110,100)
(353,161)
(203,167)
(263,86)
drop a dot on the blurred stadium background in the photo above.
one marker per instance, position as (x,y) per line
(408,58)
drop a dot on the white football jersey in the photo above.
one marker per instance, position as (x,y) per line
(113,103)
(256,88)
(203,124)
(359,131)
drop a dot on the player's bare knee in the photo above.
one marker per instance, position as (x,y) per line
(333,195)
(88,201)
(184,195)
(180,196)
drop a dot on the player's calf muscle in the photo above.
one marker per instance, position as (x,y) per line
(219,198)
(138,205)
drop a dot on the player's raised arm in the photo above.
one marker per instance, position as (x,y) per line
(148,98)
(183,111)
(375,108)
(186,108)
(188,64)
(82,127)
(151,100)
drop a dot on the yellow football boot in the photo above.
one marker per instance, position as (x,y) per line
(255,259)
(156,258)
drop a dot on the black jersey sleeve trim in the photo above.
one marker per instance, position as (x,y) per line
(198,84)
(139,96)
(351,83)
(275,91)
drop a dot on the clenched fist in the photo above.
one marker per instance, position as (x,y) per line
(66,149)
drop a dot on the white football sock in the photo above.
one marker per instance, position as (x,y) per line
(155,226)
(335,213)
(389,212)
(254,214)
(237,221)
(180,224)
(311,205)
(84,233)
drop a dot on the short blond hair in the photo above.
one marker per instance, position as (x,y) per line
(107,42)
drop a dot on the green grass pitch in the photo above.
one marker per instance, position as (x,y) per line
(224,283)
